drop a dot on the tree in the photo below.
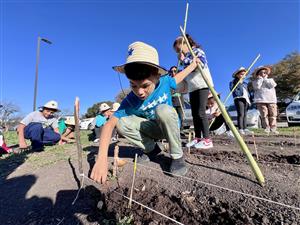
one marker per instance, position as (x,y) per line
(286,73)
(7,111)
(122,94)
(94,110)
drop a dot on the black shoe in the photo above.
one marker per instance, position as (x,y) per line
(178,167)
(150,156)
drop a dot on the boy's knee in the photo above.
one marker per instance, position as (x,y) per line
(164,111)
(56,137)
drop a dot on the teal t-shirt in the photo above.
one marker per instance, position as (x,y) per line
(133,105)
(62,126)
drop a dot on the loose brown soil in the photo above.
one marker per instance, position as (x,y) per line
(45,195)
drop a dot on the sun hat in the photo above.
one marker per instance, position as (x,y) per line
(51,105)
(140,52)
(239,70)
(115,106)
(103,107)
(70,121)
(262,68)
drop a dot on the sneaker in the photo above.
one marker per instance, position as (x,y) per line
(96,140)
(229,134)
(267,130)
(193,142)
(248,132)
(150,156)
(274,131)
(5,149)
(178,167)
(242,132)
(205,143)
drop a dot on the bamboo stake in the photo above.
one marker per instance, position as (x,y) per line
(255,147)
(133,179)
(240,80)
(116,158)
(295,140)
(77,135)
(189,140)
(178,63)
(244,147)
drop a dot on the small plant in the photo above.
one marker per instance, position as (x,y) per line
(125,220)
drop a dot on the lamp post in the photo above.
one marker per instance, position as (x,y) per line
(37,67)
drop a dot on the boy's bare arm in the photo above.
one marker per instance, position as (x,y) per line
(22,143)
(184,73)
(99,172)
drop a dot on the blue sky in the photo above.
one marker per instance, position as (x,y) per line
(89,37)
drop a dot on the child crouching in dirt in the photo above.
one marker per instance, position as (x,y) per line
(265,98)
(146,114)
(66,130)
(215,117)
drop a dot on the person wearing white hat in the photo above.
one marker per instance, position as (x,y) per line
(241,98)
(40,127)
(66,129)
(115,107)
(105,112)
(146,114)
(265,98)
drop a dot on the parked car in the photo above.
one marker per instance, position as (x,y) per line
(293,111)
(253,116)
(87,124)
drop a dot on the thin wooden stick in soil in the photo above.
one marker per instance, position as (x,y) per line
(77,134)
(116,158)
(133,179)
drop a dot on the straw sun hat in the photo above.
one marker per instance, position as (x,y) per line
(115,107)
(238,71)
(262,68)
(103,107)
(51,105)
(139,52)
(70,121)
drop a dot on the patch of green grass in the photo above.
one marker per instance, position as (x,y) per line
(11,137)
(287,131)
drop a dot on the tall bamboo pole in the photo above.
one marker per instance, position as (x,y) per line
(256,170)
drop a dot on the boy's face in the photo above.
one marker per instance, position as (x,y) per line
(107,113)
(48,112)
(143,88)
(241,74)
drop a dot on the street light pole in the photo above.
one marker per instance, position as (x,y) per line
(37,68)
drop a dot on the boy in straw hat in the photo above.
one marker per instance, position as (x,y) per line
(241,99)
(146,114)
(40,127)
(265,98)
(105,112)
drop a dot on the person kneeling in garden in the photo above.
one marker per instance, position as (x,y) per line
(40,127)
(67,130)
(146,114)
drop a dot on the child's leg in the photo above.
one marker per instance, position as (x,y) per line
(239,105)
(263,110)
(272,109)
(246,106)
(50,136)
(168,121)
(198,99)
(140,131)
(34,132)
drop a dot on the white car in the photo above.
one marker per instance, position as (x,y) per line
(253,116)
(87,124)
(293,111)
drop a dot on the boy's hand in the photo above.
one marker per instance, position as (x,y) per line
(99,172)
(23,144)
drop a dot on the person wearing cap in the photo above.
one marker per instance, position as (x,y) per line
(146,114)
(101,119)
(241,99)
(66,129)
(40,127)
(265,98)
(214,114)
